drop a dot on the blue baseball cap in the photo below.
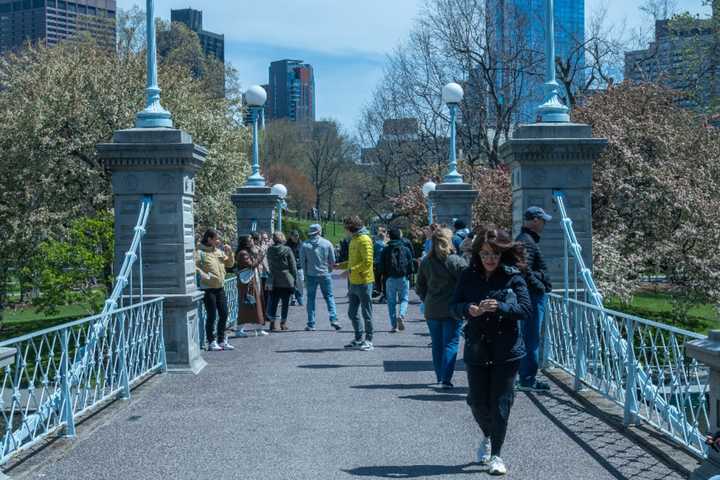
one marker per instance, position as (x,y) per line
(536,212)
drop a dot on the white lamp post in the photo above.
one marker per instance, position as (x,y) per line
(452,95)
(255,98)
(426,190)
(281,191)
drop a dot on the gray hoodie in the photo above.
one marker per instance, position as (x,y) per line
(317,256)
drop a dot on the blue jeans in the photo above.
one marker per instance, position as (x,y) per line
(360,297)
(299,287)
(325,283)
(394,288)
(531,329)
(445,335)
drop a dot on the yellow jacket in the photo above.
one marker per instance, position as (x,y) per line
(360,259)
(211,263)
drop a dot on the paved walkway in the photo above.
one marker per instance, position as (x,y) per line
(296,405)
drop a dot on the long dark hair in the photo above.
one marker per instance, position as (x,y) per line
(244,243)
(512,254)
(207,236)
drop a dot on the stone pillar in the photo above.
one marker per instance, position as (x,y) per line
(255,205)
(707,352)
(453,201)
(545,157)
(162,163)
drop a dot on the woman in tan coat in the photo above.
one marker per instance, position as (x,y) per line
(251,307)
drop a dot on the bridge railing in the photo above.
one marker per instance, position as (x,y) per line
(637,363)
(60,373)
(645,370)
(130,347)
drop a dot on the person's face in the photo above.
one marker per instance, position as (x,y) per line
(244,257)
(215,241)
(490,258)
(537,225)
(265,238)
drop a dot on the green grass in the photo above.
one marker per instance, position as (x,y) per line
(657,306)
(333,231)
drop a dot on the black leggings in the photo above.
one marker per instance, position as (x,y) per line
(215,302)
(491,395)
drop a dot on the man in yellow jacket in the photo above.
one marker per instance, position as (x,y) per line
(210,265)
(360,266)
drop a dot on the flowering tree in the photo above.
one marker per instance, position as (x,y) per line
(656,193)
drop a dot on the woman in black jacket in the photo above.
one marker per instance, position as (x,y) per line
(492,296)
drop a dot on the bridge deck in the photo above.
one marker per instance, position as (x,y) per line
(295,405)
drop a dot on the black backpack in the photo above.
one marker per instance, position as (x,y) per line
(399,262)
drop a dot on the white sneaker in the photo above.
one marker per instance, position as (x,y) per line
(393,330)
(484,451)
(214,347)
(497,466)
(226,346)
(261,332)
(366,346)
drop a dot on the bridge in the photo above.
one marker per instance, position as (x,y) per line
(129,393)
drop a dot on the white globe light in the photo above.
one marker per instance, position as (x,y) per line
(280,190)
(452,93)
(427,188)
(255,96)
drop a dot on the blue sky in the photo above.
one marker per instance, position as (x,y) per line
(345,40)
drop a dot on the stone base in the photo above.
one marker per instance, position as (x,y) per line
(180,323)
(255,205)
(453,201)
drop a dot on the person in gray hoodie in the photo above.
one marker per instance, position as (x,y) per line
(437,277)
(317,259)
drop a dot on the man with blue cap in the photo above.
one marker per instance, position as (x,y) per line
(538,285)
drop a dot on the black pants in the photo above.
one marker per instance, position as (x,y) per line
(491,395)
(215,303)
(278,295)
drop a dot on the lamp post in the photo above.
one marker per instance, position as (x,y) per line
(154,115)
(553,110)
(426,190)
(255,98)
(452,95)
(281,191)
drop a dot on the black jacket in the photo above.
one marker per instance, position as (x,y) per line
(386,267)
(492,337)
(537,278)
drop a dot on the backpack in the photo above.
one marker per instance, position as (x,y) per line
(197,274)
(399,264)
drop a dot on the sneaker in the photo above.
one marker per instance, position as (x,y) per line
(241,333)
(393,330)
(309,329)
(401,323)
(446,386)
(354,344)
(261,333)
(293,302)
(537,386)
(284,326)
(214,347)
(226,346)
(484,451)
(335,325)
(497,466)
(366,346)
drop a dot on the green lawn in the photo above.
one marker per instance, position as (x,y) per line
(333,231)
(656,306)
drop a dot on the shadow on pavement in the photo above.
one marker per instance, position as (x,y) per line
(609,446)
(393,386)
(437,397)
(312,350)
(328,366)
(414,471)
(415,366)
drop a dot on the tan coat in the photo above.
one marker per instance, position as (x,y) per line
(211,263)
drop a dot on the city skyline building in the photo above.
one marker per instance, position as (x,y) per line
(52,21)
(291,91)
(683,56)
(518,27)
